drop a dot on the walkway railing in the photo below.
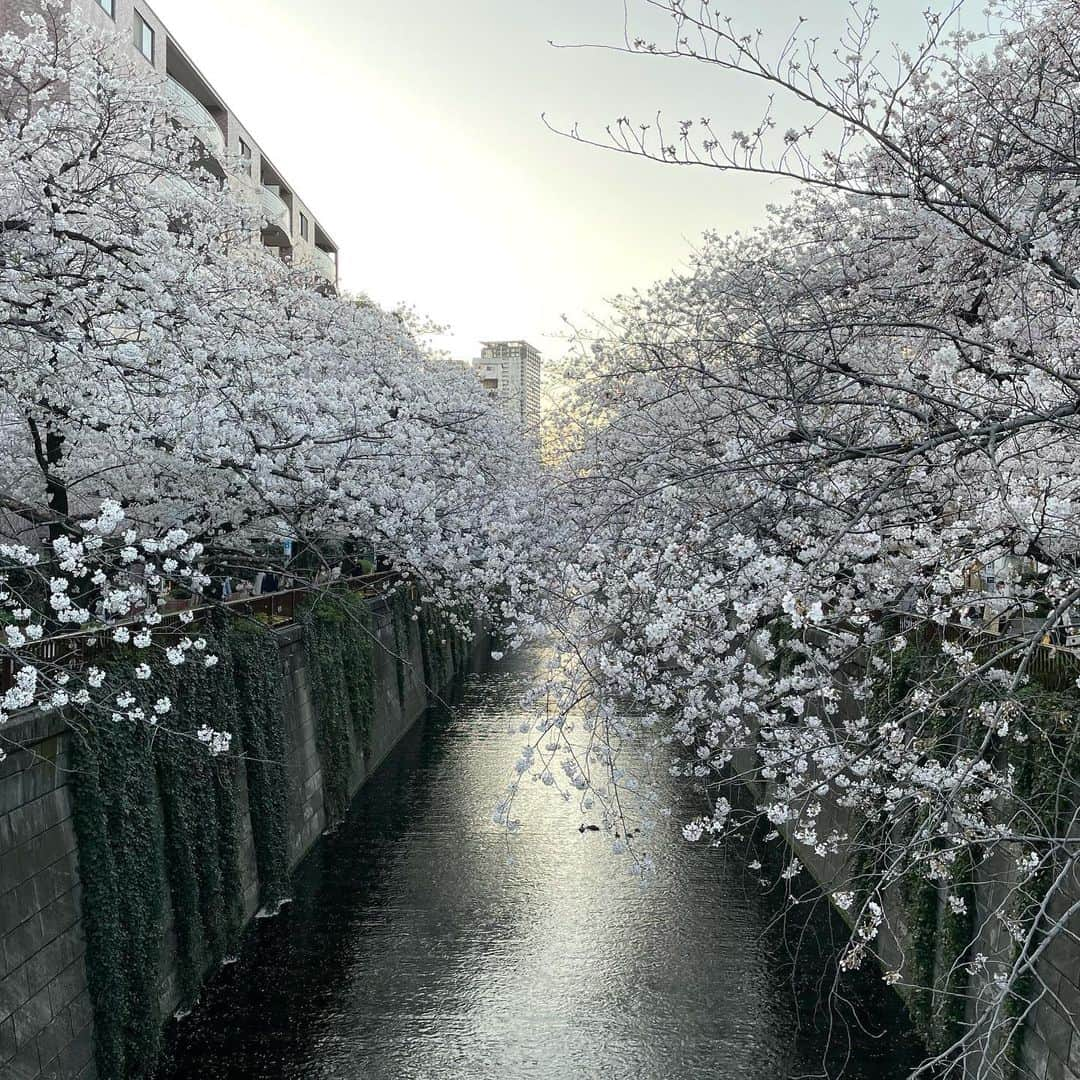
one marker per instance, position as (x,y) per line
(1052,662)
(71,651)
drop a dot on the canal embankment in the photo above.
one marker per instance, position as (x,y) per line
(932,947)
(126,880)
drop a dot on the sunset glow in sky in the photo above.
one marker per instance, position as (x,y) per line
(414,131)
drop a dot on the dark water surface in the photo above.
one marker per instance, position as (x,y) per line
(414,951)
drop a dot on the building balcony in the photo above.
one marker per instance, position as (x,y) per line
(245,189)
(325,263)
(176,186)
(276,210)
(193,114)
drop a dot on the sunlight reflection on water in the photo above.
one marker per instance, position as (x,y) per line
(415,949)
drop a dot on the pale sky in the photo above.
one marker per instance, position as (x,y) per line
(412,128)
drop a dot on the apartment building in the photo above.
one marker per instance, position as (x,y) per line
(290,227)
(510,372)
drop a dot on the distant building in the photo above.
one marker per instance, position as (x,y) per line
(510,372)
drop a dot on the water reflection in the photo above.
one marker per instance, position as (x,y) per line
(413,949)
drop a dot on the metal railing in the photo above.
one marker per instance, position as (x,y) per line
(73,651)
(1052,663)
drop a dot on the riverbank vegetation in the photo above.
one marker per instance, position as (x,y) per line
(182,413)
(160,824)
(812,517)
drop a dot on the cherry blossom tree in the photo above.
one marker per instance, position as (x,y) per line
(172,394)
(821,506)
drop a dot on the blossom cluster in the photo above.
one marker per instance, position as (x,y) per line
(158,358)
(820,505)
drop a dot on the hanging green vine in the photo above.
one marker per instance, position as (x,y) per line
(921,900)
(323,629)
(208,697)
(338,644)
(181,764)
(358,656)
(401,608)
(119,833)
(157,816)
(443,648)
(1047,768)
(956,938)
(256,660)
(157,824)
(426,647)
(105,937)
(201,812)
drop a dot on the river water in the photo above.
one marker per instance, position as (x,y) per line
(414,949)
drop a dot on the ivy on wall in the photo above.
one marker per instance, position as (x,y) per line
(340,639)
(940,931)
(118,825)
(105,940)
(259,687)
(920,898)
(401,610)
(443,648)
(426,649)
(158,818)
(1046,784)
(939,916)
(157,821)
(940,934)
(201,810)
(339,645)
(957,929)
(358,657)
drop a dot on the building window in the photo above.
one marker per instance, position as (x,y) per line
(109,7)
(305,226)
(245,158)
(144,37)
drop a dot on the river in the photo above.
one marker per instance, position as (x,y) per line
(415,949)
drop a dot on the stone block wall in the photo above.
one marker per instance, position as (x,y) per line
(45,1011)
(1050,1047)
(46,1018)
(307,810)
(394,716)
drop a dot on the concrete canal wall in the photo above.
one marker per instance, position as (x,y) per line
(1049,1047)
(46,1011)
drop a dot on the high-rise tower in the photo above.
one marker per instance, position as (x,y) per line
(510,372)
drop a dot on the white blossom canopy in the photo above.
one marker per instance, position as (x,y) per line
(158,361)
(820,493)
